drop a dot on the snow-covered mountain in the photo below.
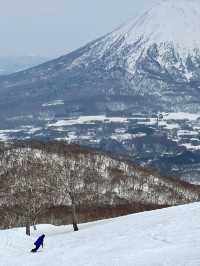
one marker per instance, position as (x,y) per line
(171,29)
(150,65)
(168,237)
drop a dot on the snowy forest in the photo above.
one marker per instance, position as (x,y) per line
(57,183)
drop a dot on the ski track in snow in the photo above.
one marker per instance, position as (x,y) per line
(168,237)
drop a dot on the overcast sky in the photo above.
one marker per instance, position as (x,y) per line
(55,27)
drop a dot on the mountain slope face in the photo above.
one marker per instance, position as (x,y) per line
(40,177)
(168,237)
(152,63)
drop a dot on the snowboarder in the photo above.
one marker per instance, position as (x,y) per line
(39,242)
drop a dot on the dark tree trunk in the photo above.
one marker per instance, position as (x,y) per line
(28,230)
(34,227)
(74,217)
(28,226)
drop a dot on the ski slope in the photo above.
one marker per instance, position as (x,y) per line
(169,237)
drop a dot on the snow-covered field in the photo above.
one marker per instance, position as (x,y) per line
(168,237)
(180,127)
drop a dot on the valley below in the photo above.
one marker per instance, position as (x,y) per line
(167,142)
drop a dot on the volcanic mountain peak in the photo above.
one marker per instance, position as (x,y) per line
(173,26)
(155,55)
(170,21)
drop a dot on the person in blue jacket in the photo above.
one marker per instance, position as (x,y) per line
(39,242)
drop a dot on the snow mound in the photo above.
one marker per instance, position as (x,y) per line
(169,237)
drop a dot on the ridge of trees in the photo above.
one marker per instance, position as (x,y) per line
(36,176)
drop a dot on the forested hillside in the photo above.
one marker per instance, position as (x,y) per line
(56,183)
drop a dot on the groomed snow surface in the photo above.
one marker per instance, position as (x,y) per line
(168,237)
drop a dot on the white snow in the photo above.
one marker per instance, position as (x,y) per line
(6,131)
(172,126)
(53,103)
(30,129)
(181,116)
(126,136)
(120,130)
(149,122)
(168,237)
(174,25)
(188,75)
(3,137)
(89,120)
(187,133)
(172,21)
(168,126)
(169,22)
(189,146)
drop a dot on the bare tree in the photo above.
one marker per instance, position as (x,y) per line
(27,184)
(71,184)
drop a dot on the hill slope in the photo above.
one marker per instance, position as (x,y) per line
(167,237)
(37,179)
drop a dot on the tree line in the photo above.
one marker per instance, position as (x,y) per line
(36,176)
